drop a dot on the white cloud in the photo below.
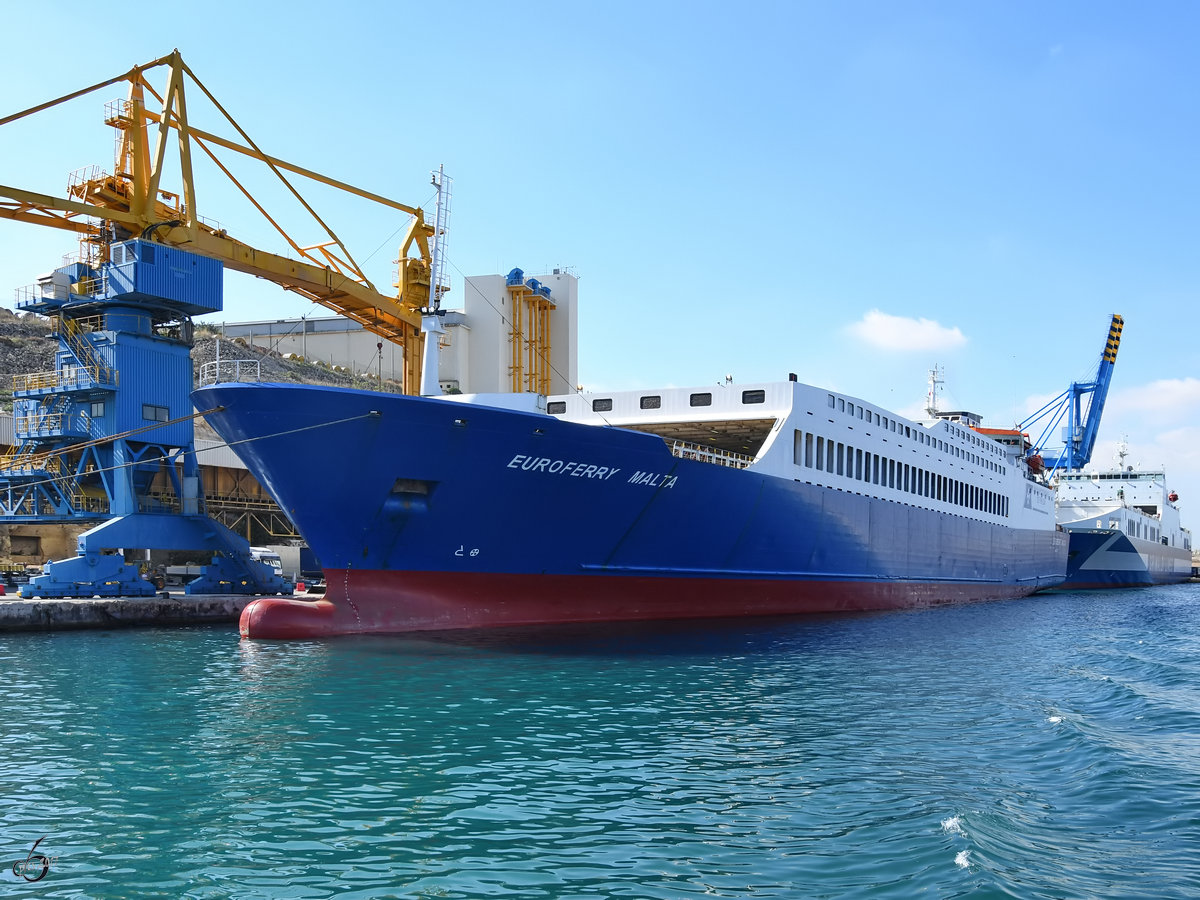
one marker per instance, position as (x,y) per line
(900,333)
(1165,400)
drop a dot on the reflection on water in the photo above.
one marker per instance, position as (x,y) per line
(765,758)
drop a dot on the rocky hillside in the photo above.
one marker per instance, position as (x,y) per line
(26,346)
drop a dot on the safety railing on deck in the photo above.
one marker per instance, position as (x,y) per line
(700,453)
(31,464)
(70,377)
(225,370)
(52,424)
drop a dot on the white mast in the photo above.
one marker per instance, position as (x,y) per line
(431,318)
(935,382)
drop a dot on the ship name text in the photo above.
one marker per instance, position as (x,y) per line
(561,467)
(654,479)
(550,466)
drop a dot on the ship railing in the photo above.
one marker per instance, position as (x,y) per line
(714,455)
(226,370)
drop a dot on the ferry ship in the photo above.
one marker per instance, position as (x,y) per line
(1124,528)
(733,500)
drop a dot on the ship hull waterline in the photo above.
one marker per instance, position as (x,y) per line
(394,602)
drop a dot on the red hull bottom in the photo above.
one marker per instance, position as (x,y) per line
(363,602)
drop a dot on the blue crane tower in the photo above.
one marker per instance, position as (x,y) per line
(108,436)
(1082,405)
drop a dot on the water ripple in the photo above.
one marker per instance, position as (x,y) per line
(1043,748)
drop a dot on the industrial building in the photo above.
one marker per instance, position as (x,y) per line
(480,351)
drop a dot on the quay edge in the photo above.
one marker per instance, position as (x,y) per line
(172,611)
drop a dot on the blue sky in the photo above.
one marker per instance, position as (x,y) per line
(851,191)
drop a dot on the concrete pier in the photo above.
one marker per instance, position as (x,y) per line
(172,610)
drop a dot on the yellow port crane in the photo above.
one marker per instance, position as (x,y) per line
(102,207)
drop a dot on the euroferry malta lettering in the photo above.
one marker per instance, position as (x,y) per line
(553,466)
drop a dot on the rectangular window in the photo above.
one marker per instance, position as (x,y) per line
(797,447)
(602,404)
(831,401)
(754,396)
(841,405)
(651,402)
(821,454)
(840,450)
(557,408)
(829,449)
(858,464)
(153,413)
(97,410)
(808,450)
(701,400)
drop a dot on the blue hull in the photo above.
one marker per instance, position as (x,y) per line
(437,505)
(1106,558)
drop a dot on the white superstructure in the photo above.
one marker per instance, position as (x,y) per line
(808,434)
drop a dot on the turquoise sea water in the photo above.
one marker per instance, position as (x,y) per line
(1047,747)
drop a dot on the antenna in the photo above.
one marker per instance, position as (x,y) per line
(935,384)
(439,282)
(431,318)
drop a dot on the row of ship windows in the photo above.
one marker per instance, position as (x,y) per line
(921,437)
(654,401)
(916,434)
(1143,530)
(1111,476)
(834,457)
(1136,529)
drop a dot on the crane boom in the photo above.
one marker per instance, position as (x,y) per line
(131,202)
(1082,421)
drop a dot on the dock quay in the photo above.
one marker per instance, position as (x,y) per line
(170,609)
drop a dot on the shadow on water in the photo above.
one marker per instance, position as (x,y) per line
(963,629)
(660,638)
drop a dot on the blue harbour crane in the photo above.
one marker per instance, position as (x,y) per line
(1081,407)
(108,436)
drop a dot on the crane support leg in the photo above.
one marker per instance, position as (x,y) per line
(95,572)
